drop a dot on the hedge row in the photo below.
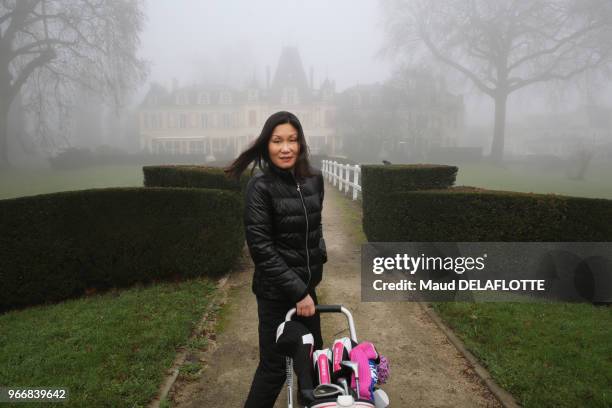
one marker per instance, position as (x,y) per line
(468,215)
(378,181)
(192,176)
(381,179)
(57,246)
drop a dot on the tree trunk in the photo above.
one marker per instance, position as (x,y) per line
(497,147)
(4,112)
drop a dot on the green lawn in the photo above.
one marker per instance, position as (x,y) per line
(546,355)
(17,183)
(110,350)
(597,182)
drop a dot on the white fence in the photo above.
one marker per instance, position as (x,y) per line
(340,175)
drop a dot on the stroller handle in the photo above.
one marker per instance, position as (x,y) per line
(331,309)
(328,308)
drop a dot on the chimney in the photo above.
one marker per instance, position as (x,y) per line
(174,84)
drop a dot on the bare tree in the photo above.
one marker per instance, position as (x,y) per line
(50,48)
(504,46)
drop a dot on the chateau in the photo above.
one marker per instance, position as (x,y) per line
(403,118)
(220,121)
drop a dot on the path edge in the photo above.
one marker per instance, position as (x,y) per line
(504,397)
(179,360)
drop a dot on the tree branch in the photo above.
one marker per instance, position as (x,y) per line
(438,54)
(20,14)
(6,16)
(30,67)
(550,75)
(27,49)
(561,42)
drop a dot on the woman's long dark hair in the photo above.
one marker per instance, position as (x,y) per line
(257,153)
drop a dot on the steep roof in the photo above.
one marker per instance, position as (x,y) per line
(290,74)
(290,71)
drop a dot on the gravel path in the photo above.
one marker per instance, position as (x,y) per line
(426,370)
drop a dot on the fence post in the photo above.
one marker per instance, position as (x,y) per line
(356,181)
(348,178)
(327,170)
(324,169)
(335,167)
(340,180)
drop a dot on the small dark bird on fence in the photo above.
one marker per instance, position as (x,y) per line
(386,162)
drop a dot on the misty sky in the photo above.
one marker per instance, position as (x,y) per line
(228,40)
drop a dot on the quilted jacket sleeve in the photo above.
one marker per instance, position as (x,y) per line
(258,231)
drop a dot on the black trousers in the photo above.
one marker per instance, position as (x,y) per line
(270,375)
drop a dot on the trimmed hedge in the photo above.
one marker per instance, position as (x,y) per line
(470,215)
(378,181)
(191,176)
(381,179)
(58,246)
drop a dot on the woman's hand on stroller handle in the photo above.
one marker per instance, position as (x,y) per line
(305,307)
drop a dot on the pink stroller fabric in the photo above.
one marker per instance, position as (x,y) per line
(361,354)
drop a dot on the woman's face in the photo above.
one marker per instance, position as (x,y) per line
(283,146)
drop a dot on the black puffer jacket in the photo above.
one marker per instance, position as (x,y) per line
(277,217)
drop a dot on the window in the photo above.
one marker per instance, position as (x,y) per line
(204,120)
(225,120)
(225,98)
(253,96)
(290,96)
(196,147)
(182,120)
(193,120)
(235,121)
(252,118)
(172,120)
(181,98)
(203,98)
(307,119)
(155,120)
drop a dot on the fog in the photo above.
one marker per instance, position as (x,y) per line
(436,74)
(228,41)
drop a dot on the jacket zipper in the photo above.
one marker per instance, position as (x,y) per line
(306,215)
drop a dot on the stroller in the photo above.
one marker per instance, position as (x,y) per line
(340,393)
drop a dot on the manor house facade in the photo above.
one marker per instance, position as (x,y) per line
(220,121)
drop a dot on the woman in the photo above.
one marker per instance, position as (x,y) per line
(283,231)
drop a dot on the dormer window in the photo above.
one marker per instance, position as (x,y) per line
(290,96)
(181,98)
(225,98)
(203,98)
(253,95)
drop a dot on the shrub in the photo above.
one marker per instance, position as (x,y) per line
(57,246)
(467,215)
(191,176)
